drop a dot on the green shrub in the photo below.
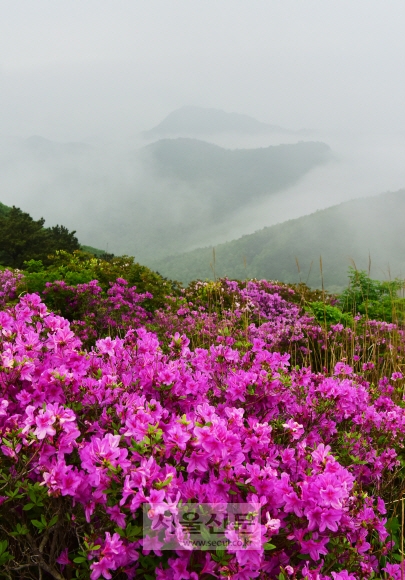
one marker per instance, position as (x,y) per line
(327,314)
(372,298)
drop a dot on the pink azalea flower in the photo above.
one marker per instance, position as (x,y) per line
(152,543)
(44,421)
(343,575)
(116,515)
(101,568)
(63,558)
(315,548)
(295,429)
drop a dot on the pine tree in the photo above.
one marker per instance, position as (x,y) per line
(22,238)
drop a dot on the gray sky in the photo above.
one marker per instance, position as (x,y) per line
(80,69)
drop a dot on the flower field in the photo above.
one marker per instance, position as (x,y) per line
(225,393)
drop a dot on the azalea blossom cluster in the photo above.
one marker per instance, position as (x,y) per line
(92,436)
(94,313)
(274,313)
(9,283)
(255,309)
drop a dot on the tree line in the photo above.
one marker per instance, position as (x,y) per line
(22,238)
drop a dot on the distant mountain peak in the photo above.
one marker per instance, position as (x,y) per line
(189,120)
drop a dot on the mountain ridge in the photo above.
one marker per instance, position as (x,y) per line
(192,120)
(233,177)
(345,234)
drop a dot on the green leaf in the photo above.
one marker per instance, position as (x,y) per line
(38,524)
(392,525)
(357,461)
(28,507)
(120,532)
(21,530)
(162,484)
(133,531)
(79,560)
(268,546)
(53,521)
(4,558)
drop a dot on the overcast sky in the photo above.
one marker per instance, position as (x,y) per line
(78,69)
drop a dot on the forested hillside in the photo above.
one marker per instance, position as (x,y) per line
(228,179)
(358,231)
(167,197)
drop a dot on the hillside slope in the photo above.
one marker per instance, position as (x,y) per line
(229,179)
(171,196)
(352,231)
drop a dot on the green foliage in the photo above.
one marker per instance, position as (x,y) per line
(59,238)
(97,252)
(28,515)
(4,209)
(37,275)
(328,314)
(80,267)
(372,298)
(4,555)
(23,238)
(33,266)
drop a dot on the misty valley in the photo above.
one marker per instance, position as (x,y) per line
(180,190)
(165,197)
